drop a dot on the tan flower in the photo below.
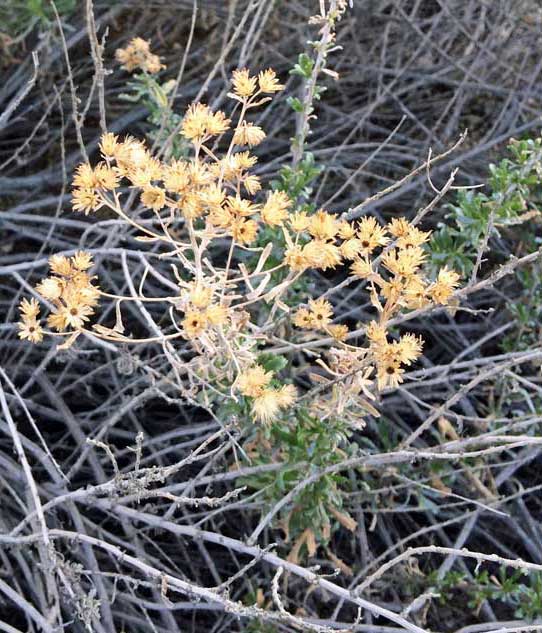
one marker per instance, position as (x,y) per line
(60,265)
(303,318)
(217,315)
(50,288)
(244,231)
(275,209)
(323,226)
(252,381)
(108,145)
(29,309)
(82,260)
(243,84)
(154,198)
(194,323)
(299,222)
(321,312)
(85,200)
(30,330)
(321,254)
(338,331)
(268,82)
(248,134)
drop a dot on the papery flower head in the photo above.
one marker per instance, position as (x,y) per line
(85,200)
(447,281)
(322,254)
(299,221)
(154,198)
(243,84)
(266,406)
(137,55)
(362,268)
(244,231)
(200,122)
(323,226)
(371,235)
(268,82)
(194,323)
(275,209)
(30,330)
(248,134)
(321,312)
(253,381)
(108,144)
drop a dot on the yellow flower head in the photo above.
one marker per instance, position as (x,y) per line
(194,323)
(221,217)
(200,296)
(253,381)
(296,258)
(60,265)
(154,198)
(82,260)
(30,330)
(275,210)
(50,288)
(137,55)
(371,235)
(108,144)
(323,226)
(75,313)
(131,155)
(106,177)
(415,293)
(351,248)
(321,254)
(244,231)
(303,318)
(376,333)
(404,262)
(176,176)
(414,237)
(241,207)
(266,406)
(361,268)
(338,331)
(248,134)
(399,227)
(199,123)
(29,309)
(287,395)
(251,183)
(447,281)
(217,314)
(346,230)
(268,82)
(409,348)
(84,177)
(389,374)
(243,84)
(85,200)
(242,161)
(321,312)
(192,206)
(299,221)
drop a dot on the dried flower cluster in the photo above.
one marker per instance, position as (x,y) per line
(70,291)
(137,56)
(207,212)
(396,282)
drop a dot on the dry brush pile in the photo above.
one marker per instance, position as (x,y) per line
(270,355)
